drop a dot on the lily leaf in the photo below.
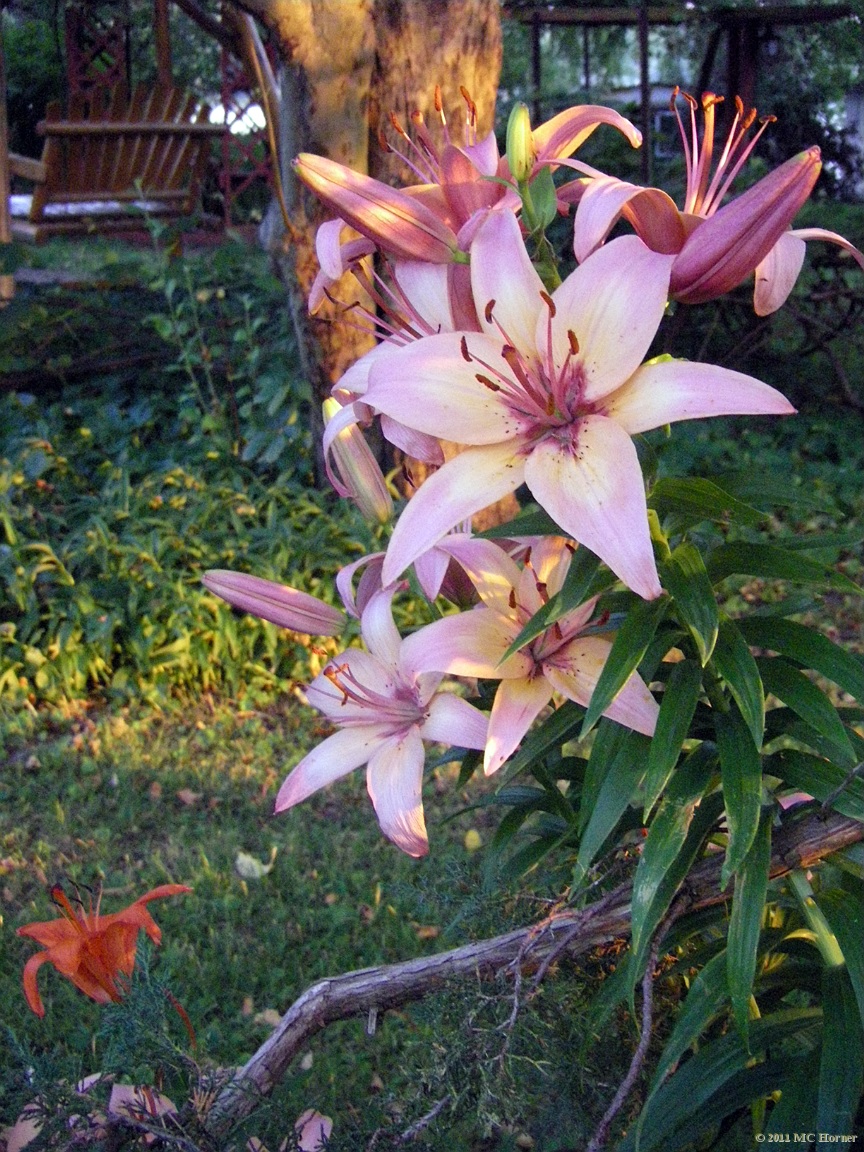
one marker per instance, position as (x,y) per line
(785,682)
(820,779)
(694,499)
(751,886)
(736,665)
(673,724)
(841,1068)
(809,648)
(685,577)
(774,563)
(628,648)
(617,764)
(741,772)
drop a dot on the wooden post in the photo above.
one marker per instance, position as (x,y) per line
(645,84)
(162,37)
(7,283)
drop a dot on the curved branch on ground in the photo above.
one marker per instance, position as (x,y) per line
(798,845)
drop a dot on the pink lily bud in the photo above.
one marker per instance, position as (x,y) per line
(358,469)
(397,223)
(725,248)
(277,603)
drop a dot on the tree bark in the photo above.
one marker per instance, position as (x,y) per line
(575,932)
(347,64)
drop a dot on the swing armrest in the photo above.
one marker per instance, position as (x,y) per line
(26,168)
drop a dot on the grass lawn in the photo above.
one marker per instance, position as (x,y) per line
(145,730)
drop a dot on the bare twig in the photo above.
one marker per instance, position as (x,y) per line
(390,986)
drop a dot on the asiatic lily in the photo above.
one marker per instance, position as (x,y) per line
(458,185)
(550,394)
(560,659)
(280,604)
(95,952)
(716,245)
(383,712)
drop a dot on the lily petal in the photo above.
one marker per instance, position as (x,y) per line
(777,273)
(517,704)
(380,634)
(466,644)
(470,481)
(429,386)
(287,607)
(454,722)
(576,670)
(333,758)
(671,390)
(564,133)
(394,780)
(502,275)
(613,305)
(594,490)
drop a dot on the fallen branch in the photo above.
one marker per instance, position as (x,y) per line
(797,845)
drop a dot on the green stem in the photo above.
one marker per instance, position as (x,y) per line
(826,941)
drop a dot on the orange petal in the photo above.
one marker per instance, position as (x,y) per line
(31,990)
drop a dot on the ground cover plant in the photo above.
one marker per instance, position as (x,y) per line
(585,812)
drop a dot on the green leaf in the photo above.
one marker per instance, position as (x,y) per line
(666,837)
(765,488)
(751,886)
(686,1094)
(785,682)
(844,912)
(628,648)
(707,998)
(684,576)
(841,1068)
(530,521)
(820,779)
(736,665)
(823,541)
(618,757)
(673,724)
(809,648)
(578,584)
(741,772)
(557,729)
(693,500)
(774,563)
(543,198)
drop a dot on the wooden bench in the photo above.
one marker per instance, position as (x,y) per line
(113,159)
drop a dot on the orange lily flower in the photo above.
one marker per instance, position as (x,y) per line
(91,950)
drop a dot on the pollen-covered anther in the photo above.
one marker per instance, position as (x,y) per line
(439,103)
(463,346)
(472,107)
(711,100)
(382,141)
(397,126)
(511,599)
(550,405)
(333,672)
(487,383)
(488,311)
(769,119)
(574,343)
(549,302)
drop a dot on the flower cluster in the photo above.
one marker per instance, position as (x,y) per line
(539,383)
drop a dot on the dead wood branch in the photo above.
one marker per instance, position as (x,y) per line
(797,845)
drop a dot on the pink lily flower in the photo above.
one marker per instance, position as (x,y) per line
(383,711)
(716,245)
(277,603)
(561,659)
(550,394)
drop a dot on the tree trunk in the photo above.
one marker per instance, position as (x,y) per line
(347,65)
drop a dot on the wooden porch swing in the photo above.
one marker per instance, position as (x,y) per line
(114,157)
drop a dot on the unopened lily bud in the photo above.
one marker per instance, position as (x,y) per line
(277,603)
(358,469)
(520,143)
